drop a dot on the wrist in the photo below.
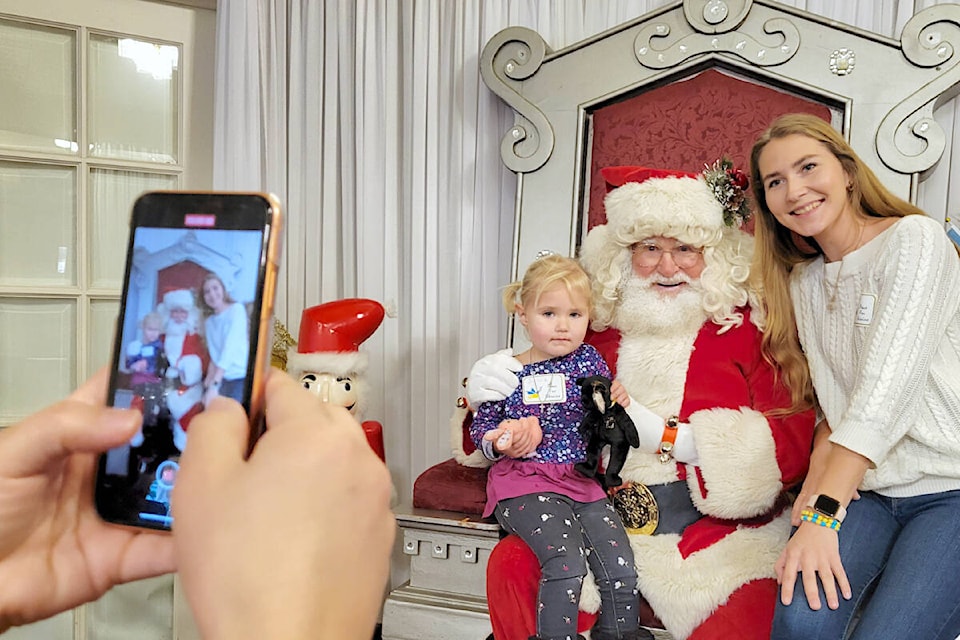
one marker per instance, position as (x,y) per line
(814,517)
(827,506)
(668,439)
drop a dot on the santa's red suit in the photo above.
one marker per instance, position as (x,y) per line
(187,359)
(716,579)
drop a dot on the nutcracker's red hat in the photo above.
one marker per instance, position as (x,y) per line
(331,334)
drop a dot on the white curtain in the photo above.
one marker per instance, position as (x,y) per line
(369,119)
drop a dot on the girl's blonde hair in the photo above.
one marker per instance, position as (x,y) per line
(542,274)
(778,250)
(153,319)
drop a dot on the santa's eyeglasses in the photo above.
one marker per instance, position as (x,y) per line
(649,254)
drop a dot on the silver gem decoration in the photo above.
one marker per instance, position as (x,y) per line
(842,61)
(715,11)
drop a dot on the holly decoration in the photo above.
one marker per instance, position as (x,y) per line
(729,186)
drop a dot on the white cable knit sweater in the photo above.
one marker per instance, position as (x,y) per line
(885,360)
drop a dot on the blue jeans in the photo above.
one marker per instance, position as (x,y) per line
(907,551)
(233,389)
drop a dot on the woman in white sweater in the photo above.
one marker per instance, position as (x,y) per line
(863,301)
(227,330)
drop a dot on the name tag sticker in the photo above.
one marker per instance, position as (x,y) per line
(544,388)
(868,304)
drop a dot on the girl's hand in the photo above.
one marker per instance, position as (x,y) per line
(814,553)
(525,436)
(618,393)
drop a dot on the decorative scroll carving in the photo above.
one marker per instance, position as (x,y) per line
(927,41)
(716,16)
(736,42)
(516,53)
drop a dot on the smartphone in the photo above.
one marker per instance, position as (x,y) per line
(195,322)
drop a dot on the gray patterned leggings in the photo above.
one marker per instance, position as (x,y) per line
(566,535)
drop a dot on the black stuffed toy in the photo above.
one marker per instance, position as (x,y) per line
(604,422)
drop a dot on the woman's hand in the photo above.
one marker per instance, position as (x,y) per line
(818,465)
(55,551)
(293,542)
(813,551)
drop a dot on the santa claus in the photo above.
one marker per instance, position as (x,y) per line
(187,359)
(327,359)
(721,438)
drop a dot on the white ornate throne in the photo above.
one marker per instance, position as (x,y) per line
(675,88)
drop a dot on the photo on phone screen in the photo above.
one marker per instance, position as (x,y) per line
(195,311)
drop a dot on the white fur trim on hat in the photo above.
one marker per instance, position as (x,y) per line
(344,363)
(178,299)
(677,207)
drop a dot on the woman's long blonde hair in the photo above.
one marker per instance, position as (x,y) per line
(778,250)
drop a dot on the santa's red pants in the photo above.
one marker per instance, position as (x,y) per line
(513,577)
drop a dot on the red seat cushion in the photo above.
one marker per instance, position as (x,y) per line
(450,486)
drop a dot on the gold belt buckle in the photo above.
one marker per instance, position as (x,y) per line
(637,508)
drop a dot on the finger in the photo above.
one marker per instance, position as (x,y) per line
(843,581)
(493,434)
(65,428)
(788,580)
(829,589)
(501,385)
(94,390)
(509,361)
(287,401)
(146,555)
(809,579)
(217,444)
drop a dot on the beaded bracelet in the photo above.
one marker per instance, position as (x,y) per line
(808,515)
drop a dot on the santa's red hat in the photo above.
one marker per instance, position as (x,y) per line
(331,335)
(644,202)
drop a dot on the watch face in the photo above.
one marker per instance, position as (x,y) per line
(827,506)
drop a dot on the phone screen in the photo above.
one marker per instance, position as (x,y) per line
(196,305)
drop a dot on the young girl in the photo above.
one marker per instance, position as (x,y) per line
(533,488)
(871,289)
(143,356)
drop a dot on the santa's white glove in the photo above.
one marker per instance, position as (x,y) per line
(650,429)
(492,377)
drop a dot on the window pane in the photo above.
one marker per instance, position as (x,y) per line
(38,224)
(38,104)
(111,199)
(141,610)
(59,627)
(37,354)
(103,320)
(133,97)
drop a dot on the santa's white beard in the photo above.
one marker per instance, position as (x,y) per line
(173,340)
(645,309)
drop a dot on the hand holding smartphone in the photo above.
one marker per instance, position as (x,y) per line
(194,323)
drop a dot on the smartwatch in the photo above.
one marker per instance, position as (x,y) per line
(828,506)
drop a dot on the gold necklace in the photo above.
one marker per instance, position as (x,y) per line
(835,289)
